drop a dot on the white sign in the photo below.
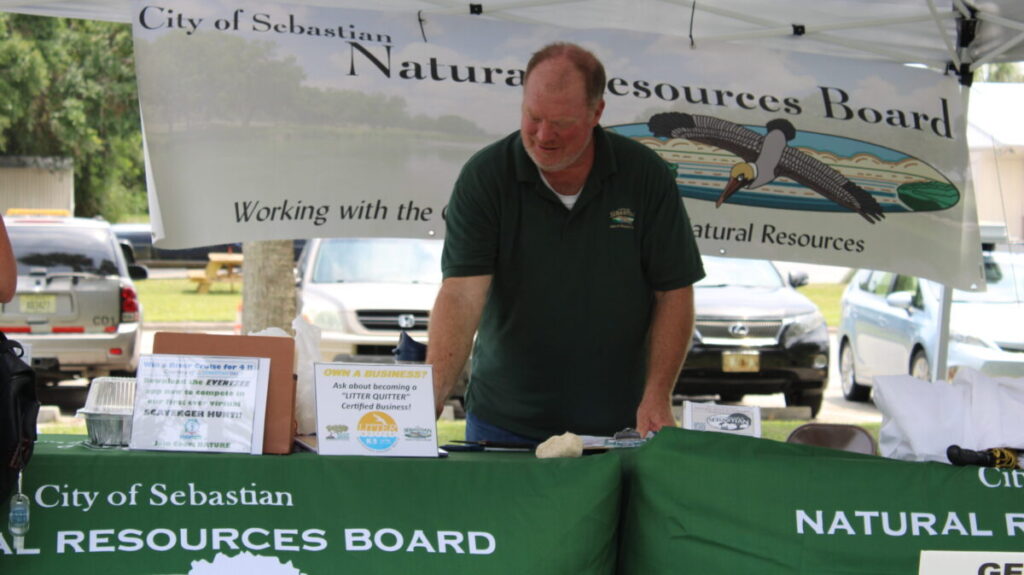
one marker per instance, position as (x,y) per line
(375,409)
(735,419)
(970,563)
(319,121)
(200,403)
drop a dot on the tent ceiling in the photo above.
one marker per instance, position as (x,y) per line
(910,31)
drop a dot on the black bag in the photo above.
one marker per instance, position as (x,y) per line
(19,409)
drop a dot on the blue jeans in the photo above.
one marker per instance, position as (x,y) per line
(479,430)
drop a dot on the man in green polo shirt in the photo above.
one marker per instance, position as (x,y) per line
(568,253)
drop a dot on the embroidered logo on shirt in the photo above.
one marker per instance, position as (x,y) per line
(622,219)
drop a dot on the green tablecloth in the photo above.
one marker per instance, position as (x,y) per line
(706,503)
(115,511)
(692,502)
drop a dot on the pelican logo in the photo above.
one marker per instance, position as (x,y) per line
(406,321)
(739,330)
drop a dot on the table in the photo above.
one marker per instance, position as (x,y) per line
(688,502)
(222,267)
(117,511)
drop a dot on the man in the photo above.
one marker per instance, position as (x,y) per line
(569,249)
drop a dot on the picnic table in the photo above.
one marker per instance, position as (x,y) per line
(222,267)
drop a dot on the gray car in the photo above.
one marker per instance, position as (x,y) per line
(76,306)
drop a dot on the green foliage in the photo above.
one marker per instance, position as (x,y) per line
(1002,72)
(67,89)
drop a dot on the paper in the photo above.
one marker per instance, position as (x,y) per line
(735,419)
(921,419)
(200,403)
(375,409)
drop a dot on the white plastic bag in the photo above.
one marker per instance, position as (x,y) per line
(307,351)
(920,420)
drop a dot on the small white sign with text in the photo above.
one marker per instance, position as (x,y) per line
(971,563)
(375,409)
(200,403)
(736,419)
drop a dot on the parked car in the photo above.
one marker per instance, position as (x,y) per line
(755,334)
(362,292)
(890,325)
(76,305)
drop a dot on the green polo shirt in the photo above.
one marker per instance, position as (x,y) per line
(562,342)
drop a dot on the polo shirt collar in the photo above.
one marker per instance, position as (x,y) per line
(604,160)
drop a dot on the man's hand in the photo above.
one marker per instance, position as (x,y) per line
(653,414)
(671,329)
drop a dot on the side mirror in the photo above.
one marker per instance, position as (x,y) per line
(901,299)
(797,279)
(137,272)
(128,251)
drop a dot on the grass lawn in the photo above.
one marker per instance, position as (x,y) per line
(176,300)
(827,297)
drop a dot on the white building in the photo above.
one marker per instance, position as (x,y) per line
(995,136)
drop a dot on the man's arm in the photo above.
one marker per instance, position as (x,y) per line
(453,323)
(8,266)
(671,330)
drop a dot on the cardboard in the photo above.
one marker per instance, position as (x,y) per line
(280,422)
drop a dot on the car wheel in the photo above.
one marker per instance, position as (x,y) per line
(731,397)
(805,397)
(852,390)
(919,366)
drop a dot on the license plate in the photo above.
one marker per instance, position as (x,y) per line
(741,361)
(37,303)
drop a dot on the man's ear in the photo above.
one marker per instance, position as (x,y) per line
(598,110)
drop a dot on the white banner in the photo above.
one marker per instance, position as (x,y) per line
(274,121)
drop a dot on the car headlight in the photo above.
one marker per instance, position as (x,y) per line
(967,339)
(326,319)
(804,324)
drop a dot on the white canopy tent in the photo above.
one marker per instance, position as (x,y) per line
(948,36)
(940,34)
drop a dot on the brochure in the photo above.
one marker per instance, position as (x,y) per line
(200,403)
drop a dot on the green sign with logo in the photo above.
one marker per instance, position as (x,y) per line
(702,503)
(117,511)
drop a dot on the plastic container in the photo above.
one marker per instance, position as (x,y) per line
(108,411)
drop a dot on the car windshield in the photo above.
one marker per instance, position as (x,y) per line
(63,249)
(366,260)
(1004,277)
(739,272)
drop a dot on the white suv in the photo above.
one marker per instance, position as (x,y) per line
(76,304)
(363,292)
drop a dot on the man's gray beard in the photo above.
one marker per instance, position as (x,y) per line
(565,164)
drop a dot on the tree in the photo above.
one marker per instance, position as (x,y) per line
(67,88)
(1004,72)
(268,291)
